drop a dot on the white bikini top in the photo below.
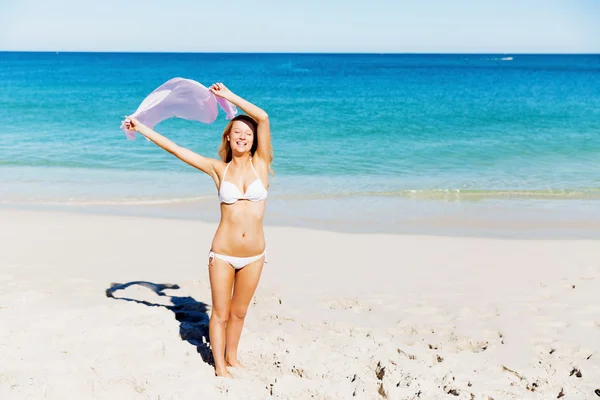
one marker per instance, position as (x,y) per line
(229,192)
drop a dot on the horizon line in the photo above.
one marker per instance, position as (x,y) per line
(295,52)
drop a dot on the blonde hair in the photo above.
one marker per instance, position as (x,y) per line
(225,152)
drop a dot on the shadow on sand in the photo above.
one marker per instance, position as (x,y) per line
(191,314)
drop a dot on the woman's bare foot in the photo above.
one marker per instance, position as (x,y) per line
(223,373)
(234,363)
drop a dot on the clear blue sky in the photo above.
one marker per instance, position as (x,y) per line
(446,26)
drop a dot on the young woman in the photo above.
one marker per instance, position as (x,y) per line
(237,254)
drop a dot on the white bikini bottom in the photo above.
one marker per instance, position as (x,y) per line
(237,262)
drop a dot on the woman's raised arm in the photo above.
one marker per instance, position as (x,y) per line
(204,164)
(263,130)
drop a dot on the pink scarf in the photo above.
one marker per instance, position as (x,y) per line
(182,98)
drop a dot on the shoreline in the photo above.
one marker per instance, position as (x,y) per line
(319,202)
(493,223)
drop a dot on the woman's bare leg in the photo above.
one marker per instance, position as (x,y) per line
(221,281)
(246,281)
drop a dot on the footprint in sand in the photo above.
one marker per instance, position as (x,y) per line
(410,356)
(266,299)
(279,319)
(347,304)
(478,347)
(222,385)
(465,343)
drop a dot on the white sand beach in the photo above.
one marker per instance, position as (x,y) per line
(336,316)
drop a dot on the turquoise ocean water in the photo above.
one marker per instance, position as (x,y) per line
(381,143)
